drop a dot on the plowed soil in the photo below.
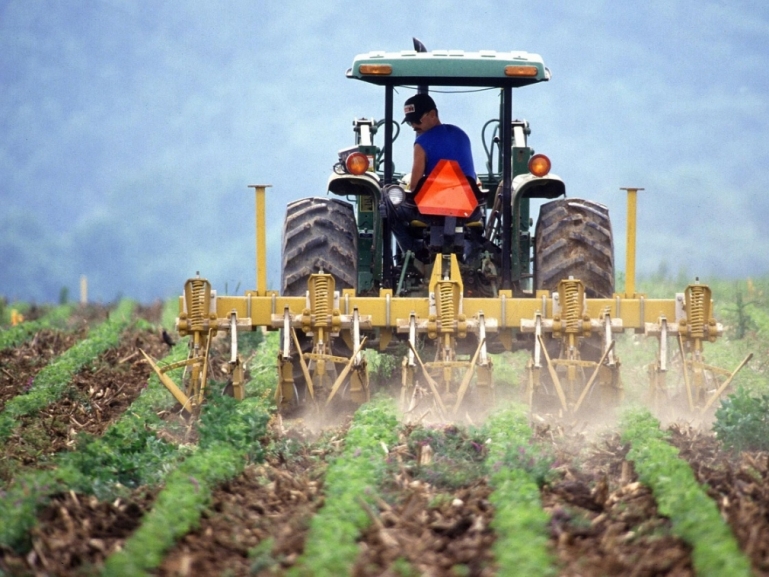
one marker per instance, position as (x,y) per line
(268,505)
(739,484)
(18,366)
(76,533)
(603,522)
(101,393)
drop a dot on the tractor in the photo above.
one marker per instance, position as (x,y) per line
(484,282)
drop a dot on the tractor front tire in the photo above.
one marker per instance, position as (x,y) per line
(574,239)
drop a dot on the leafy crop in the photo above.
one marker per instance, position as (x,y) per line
(742,421)
(458,455)
(694,516)
(229,431)
(53,380)
(352,477)
(516,471)
(127,453)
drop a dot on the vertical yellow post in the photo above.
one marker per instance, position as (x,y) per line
(631,236)
(83,290)
(261,239)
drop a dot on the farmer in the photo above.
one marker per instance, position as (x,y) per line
(435,141)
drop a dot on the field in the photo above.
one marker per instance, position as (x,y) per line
(101,474)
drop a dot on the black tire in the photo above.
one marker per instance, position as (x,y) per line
(318,234)
(574,238)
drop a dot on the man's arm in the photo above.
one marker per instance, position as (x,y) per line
(418,167)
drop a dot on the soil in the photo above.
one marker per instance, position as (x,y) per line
(20,365)
(603,522)
(739,485)
(270,504)
(100,393)
(76,533)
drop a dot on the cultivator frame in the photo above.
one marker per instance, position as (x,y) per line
(446,317)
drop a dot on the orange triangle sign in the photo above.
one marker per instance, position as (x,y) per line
(446,192)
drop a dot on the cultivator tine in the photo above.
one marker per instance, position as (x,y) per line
(236,367)
(183,399)
(685,370)
(587,388)
(693,326)
(658,393)
(409,364)
(535,362)
(303,365)
(554,376)
(433,385)
(726,383)
(343,375)
(468,375)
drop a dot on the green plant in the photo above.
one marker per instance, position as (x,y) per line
(694,516)
(230,432)
(127,451)
(742,421)
(53,380)
(519,521)
(14,336)
(261,557)
(458,456)
(352,477)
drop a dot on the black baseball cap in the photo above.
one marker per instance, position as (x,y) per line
(416,106)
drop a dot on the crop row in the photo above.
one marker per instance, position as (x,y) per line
(230,433)
(14,336)
(516,474)
(131,454)
(128,455)
(695,517)
(54,379)
(351,479)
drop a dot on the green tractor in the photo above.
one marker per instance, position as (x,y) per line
(469,279)
(573,236)
(348,235)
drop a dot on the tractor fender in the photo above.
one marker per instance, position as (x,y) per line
(530,186)
(355,185)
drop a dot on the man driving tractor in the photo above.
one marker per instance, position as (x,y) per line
(435,141)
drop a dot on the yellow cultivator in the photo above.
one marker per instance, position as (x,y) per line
(459,284)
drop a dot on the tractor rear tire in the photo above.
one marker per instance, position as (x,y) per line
(574,239)
(318,234)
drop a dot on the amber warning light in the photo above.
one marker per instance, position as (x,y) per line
(521,70)
(357,163)
(539,165)
(376,69)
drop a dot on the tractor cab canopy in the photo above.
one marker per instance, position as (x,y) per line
(450,68)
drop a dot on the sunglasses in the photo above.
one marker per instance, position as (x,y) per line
(416,122)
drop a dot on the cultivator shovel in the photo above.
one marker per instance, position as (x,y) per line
(197,321)
(701,384)
(573,376)
(447,376)
(320,323)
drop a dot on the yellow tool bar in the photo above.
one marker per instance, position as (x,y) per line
(386,311)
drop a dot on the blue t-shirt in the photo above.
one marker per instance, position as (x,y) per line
(447,142)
